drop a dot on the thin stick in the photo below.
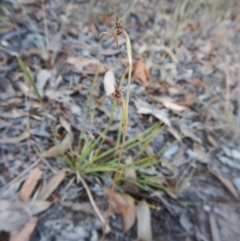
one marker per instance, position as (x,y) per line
(95,207)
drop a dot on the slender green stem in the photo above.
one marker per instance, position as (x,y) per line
(91,90)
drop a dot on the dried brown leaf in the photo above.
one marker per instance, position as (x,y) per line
(13,102)
(212,140)
(227,184)
(93,28)
(42,77)
(61,96)
(130,175)
(65,124)
(197,82)
(141,73)
(107,19)
(130,172)
(38,206)
(189,99)
(202,155)
(189,133)
(174,133)
(179,159)
(162,116)
(13,114)
(174,106)
(10,140)
(191,25)
(59,149)
(52,184)
(173,91)
(26,232)
(167,50)
(145,109)
(144,232)
(82,61)
(124,205)
(214,228)
(11,218)
(85,207)
(30,184)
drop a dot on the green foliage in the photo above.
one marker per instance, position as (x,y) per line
(30,79)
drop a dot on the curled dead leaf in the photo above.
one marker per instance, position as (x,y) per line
(124,205)
(141,73)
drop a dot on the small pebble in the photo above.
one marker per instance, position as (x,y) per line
(236,154)
(206,208)
(168,154)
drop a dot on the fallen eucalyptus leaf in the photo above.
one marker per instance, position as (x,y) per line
(126,206)
(174,106)
(52,184)
(214,228)
(42,77)
(26,232)
(189,133)
(59,149)
(30,184)
(144,232)
(227,184)
(10,140)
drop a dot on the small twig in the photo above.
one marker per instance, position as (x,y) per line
(64,193)
(47,163)
(95,207)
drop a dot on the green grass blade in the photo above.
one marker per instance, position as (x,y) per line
(30,79)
